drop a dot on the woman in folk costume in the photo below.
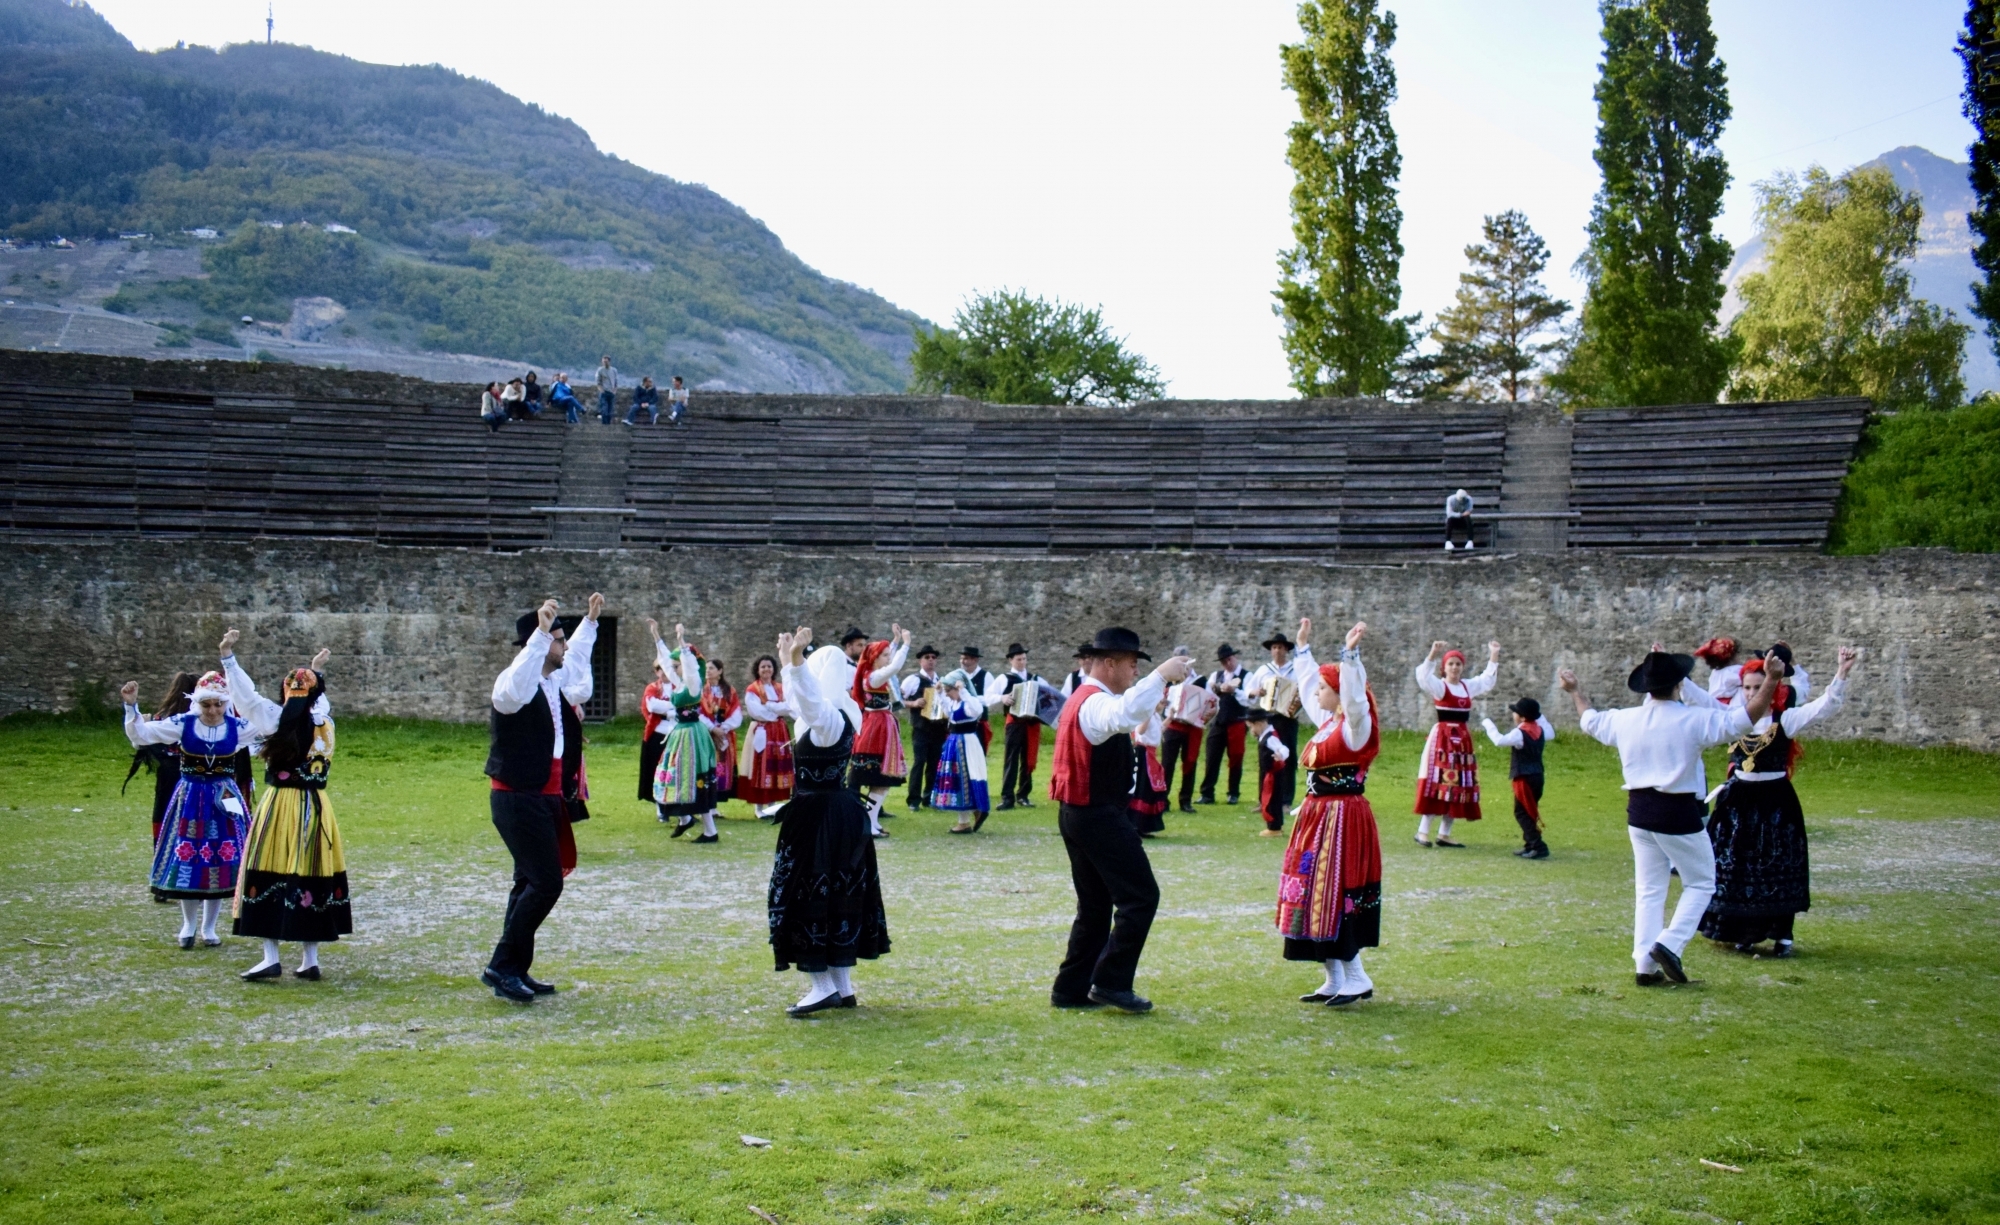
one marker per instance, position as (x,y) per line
(721,714)
(826,895)
(1725,675)
(200,846)
(1448,775)
(1149,776)
(684,780)
(764,763)
(878,758)
(1763,880)
(160,759)
(294,880)
(1330,891)
(960,782)
(657,706)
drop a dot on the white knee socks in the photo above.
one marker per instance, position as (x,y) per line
(190,916)
(1424,826)
(310,958)
(1334,976)
(708,823)
(843,980)
(1444,827)
(874,813)
(1355,979)
(271,955)
(822,986)
(210,908)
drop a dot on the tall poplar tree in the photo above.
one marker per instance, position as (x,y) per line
(1647,333)
(1979,48)
(1339,287)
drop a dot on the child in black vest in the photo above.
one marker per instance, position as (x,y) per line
(1531,734)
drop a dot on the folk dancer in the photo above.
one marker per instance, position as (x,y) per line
(200,845)
(1018,692)
(656,707)
(293,885)
(878,761)
(1275,687)
(162,760)
(1330,888)
(1448,773)
(1226,726)
(978,679)
(1763,880)
(1458,521)
(825,901)
(1725,674)
(1190,706)
(538,789)
(764,776)
(928,725)
(1531,734)
(721,715)
(684,779)
(1659,745)
(1149,782)
(1116,895)
(958,785)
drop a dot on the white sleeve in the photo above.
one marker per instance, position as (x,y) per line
(1279,753)
(1354,701)
(1309,687)
(1694,695)
(1802,681)
(881,675)
(521,681)
(909,685)
(734,721)
(1104,715)
(1548,728)
(659,706)
(260,712)
(818,713)
(996,687)
(690,672)
(574,677)
(1798,718)
(1600,726)
(970,707)
(758,708)
(1253,685)
(1429,681)
(1476,686)
(1724,724)
(142,731)
(1511,740)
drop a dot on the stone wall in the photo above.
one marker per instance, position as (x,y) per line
(423,631)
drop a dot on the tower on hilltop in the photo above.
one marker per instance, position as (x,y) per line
(268,22)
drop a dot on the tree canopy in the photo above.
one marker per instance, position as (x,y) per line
(1487,338)
(1010,348)
(1979,50)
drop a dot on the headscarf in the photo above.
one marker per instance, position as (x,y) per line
(1329,674)
(830,669)
(1782,698)
(1448,657)
(1717,652)
(212,687)
(858,688)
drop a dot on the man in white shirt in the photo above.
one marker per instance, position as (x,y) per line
(1275,687)
(926,734)
(1659,745)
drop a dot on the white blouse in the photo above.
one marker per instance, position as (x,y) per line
(1353,695)
(1432,682)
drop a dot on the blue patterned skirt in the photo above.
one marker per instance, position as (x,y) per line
(200,846)
(960,782)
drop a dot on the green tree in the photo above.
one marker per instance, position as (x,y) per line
(1979,49)
(1339,286)
(1831,312)
(1924,480)
(1647,331)
(1487,338)
(1009,348)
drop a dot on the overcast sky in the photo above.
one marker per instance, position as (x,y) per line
(1128,154)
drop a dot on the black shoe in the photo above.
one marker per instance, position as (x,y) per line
(709,838)
(187,942)
(1779,949)
(848,1001)
(1317,997)
(978,821)
(1669,963)
(1524,852)
(309,973)
(1342,1001)
(1655,979)
(274,970)
(507,986)
(1540,852)
(1024,803)
(1443,841)
(959,829)
(1188,809)
(539,987)
(1232,800)
(1057,1000)
(680,828)
(806,1010)
(1206,799)
(211,942)
(880,833)
(1124,1001)
(1003,806)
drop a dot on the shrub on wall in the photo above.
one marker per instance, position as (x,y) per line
(1924,479)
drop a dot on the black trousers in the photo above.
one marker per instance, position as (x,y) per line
(927,737)
(527,824)
(1278,785)
(1177,748)
(1223,737)
(1116,898)
(1017,775)
(1530,822)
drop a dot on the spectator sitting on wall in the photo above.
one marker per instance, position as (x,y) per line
(511,397)
(1458,521)
(647,397)
(489,408)
(677,401)
(560,396)
(531,394)
(607,389)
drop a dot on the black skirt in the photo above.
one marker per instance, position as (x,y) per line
(1762,877)
(649,760)
(826,896)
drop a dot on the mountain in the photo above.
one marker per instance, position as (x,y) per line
(1942,271)
(400,211)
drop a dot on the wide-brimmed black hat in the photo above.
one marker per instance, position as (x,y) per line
(1660,671)
(526,624)
(1014,649)
(1113,640)
(1783,650)
(1223,652)
(969,653)
(853,634)
(1527,708)
(1278,640)
(1255,714)
(929,650)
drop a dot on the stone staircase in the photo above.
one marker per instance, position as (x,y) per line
(590,511)
(1534,480)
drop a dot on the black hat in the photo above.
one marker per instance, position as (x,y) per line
(1113,640)
(1255,714)
(929,650)
(1278,639)
(526,624)
(1783,650)
(1014,649)
(969,653)
(1223,652)
(853,634)
(1660,671)
(1527,708)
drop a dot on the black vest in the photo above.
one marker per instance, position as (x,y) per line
(1526,761)
(976,682)
(1770,753)
(820,768)
(1113,769)
(524,742)
(1228,709)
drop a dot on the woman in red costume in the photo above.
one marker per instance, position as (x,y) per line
(1448,775)
(878,763)
(765,775)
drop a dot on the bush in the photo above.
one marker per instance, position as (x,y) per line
(215,330)
(1924,480)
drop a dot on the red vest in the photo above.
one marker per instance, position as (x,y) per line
(1329,746)
(1089,775)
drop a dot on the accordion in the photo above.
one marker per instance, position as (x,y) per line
(1279,696)
(1192,704)
(1025,700)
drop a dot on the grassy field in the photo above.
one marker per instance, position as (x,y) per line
(1507,1069)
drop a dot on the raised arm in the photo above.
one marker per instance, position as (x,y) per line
(138,728)
(260,712)
(518,683)
(1104,715)
(1360,723)
(1799,718)
(1427,676)
(899,651)
(1477,686)
(1502,740)
(575,677)
(819,712)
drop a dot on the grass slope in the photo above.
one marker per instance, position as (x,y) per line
(1924,480)
(1507,1070)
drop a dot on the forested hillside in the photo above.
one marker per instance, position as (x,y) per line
(482,223)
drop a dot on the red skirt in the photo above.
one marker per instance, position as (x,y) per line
(769,778)
(1448,778)
(878,751)
(1330,889)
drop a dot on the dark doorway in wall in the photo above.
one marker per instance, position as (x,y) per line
(603,703)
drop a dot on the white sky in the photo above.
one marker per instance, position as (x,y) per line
(1129,153)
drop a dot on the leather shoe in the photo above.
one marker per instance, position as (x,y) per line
(848,1001)
(309,973)
(681,827)
(1448,842)
(1070,1001)
(1342,1001)
(1124,1001)
(187,942)
(819,1005)
(1206,799)
(507,986)
(1317,997)
(959,829)
(1024,802)
(978,820)
(1188,809)
(1540,852)
(709,838)
(1669,963)
(1004,805)
(539,987)
(1655,979)
(274,970)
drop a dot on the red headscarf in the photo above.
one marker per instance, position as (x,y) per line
(1779,700)
(862,667)
(1449,655)
(1329,674)
(1717,652)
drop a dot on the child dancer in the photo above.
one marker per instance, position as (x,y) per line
(1530,736)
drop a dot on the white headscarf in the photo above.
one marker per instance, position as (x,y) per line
(833,674)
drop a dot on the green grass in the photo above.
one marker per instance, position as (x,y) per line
(1507,1070)
(1924,480)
